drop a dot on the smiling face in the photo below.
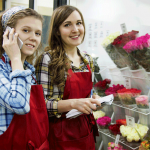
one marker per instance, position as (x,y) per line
(72,30)
(29,30)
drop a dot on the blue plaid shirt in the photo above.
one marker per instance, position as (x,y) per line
(14,91)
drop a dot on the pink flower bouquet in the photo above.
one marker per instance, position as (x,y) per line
(113,90)
(140,50)
(119,43)
(104,122)
(142,101)
(112,146)
(127,96)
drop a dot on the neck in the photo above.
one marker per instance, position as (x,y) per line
(72,52)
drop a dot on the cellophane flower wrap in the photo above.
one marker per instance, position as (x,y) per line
(111,51)
(101,86)
(131,134)
(140,50)
(127,96)
(112,146)
(113,90)
(103,122)
(142,101)
(120,42)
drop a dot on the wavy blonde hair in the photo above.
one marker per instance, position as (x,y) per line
(12,22)
(59,62)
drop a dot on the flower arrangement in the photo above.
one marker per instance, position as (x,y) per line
(131,134)
(121,121)
(104,122)
(145,145)
(113,90)
(112,146)
(127,96)
(119,43)
(111,51)
(142,101)
(114,128)
(109,39)
(124,38)
(97,114)
(139,49)
(101,86)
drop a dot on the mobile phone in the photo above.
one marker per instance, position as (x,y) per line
(20,43)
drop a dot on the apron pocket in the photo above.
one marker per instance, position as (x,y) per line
(85,143)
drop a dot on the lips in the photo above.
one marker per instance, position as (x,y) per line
(30,45)
(74,37)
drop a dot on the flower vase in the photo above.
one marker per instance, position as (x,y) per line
(144,116)
(126,73)
(101,93)
(140,77)
(129,111)
(104,128)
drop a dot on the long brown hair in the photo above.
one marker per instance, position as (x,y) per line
(12,22)
(59,62)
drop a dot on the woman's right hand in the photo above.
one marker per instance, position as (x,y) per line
(85,105)
(11,48)
(10,44)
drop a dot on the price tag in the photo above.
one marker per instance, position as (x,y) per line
(117,140)
(123,28)
(127,82)
(130,121)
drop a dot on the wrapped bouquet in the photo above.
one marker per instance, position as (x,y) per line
(114,128)
(112,146)
(113,90)
(119,43)
(132,133)
(97,114)
(111,51)
(127,96)
(142,101)
(140,50)
(101,86)
(104,122)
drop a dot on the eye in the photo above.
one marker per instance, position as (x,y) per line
(67,25)
(25,30)
(79,23)
(38,34)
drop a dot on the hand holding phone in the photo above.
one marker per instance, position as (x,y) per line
(20,43)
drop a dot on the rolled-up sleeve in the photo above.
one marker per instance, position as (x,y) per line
(15,90)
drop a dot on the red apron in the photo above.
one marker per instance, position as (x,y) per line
(29,131)
(76,133)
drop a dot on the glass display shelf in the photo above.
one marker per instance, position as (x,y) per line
(108,137)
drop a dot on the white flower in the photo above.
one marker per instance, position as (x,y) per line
(98,114)
(131,132)
(109,39)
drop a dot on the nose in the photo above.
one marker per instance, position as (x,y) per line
(74,28)
(32,36)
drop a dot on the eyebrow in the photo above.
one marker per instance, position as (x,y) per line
(30,28)
(70,21)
